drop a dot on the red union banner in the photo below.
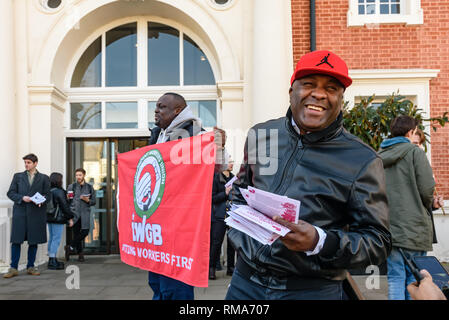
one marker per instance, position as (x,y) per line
(164,201)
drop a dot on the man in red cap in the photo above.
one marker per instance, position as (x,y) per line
(338,179)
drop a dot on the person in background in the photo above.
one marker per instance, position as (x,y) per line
(63,215)
(82,197)
(220,198)
(28,219)
(230,251)
(418,138)
(410,189)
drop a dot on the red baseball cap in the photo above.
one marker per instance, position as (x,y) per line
(322,62)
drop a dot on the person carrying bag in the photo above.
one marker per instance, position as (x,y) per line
(58,214)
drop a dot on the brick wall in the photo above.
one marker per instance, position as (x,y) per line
(390,46)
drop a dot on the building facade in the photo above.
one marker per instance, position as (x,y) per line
(390,46)
(79,78)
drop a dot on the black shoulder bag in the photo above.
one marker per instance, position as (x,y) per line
(54,213)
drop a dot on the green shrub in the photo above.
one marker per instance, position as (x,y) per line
(371,123)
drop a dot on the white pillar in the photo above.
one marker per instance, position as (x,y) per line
(7,95)
(232,120)
(273,59)
(21,35)
(7,125)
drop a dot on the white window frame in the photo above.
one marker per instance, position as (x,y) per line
(142,93)
(411,14)
(411,83)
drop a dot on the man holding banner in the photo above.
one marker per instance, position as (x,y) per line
(164,202)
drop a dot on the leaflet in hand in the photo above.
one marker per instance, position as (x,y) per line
(271,204)
(38,198)
(230,182)
(255,219)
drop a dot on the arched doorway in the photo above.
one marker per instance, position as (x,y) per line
(114,86)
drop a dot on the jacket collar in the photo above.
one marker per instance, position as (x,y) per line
(36,177)
(392,141)
(326,134)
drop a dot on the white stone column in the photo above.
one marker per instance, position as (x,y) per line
(7,95)
(21,69)
(46,108)
(232,118)
(7,125)
(272,59)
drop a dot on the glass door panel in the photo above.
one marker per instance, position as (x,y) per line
(92,156)
(99,158)
(119,146)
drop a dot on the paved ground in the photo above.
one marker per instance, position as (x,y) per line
(107,278)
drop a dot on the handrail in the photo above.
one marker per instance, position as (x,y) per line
(4,203)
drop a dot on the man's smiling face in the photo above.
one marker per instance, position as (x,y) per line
(315,101)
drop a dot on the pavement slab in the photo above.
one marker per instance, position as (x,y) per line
(107,278)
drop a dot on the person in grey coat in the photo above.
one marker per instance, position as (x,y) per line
(29,220)
(82,196)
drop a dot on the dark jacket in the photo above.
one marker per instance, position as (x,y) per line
(80,208)
(29,222)
(219,196)
(59,196)
(410,187)
(341,185)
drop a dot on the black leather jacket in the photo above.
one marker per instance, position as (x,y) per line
(219,196)
(340,182)
(60,199)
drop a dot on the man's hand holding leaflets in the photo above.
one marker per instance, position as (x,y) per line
(256,218)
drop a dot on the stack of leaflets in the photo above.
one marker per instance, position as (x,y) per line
(256,218)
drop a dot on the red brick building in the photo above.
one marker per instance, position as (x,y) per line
(403,40)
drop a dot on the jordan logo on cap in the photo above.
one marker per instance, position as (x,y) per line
(324,60)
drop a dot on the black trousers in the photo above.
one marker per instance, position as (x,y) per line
(242,288)
(230,252)
(78,236)
(217,233)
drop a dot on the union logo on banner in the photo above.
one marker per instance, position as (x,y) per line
(164,208)
(149,183)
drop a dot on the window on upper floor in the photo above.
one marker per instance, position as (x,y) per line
(369,12)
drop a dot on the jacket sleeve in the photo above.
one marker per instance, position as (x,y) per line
(367,239)
(93,196)
(13,192)
(424,177)
(244,179)
(217,195)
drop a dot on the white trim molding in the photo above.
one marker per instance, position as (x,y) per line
(411,14)
(230,91)
(47,95)
(393,74)
(384,82)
